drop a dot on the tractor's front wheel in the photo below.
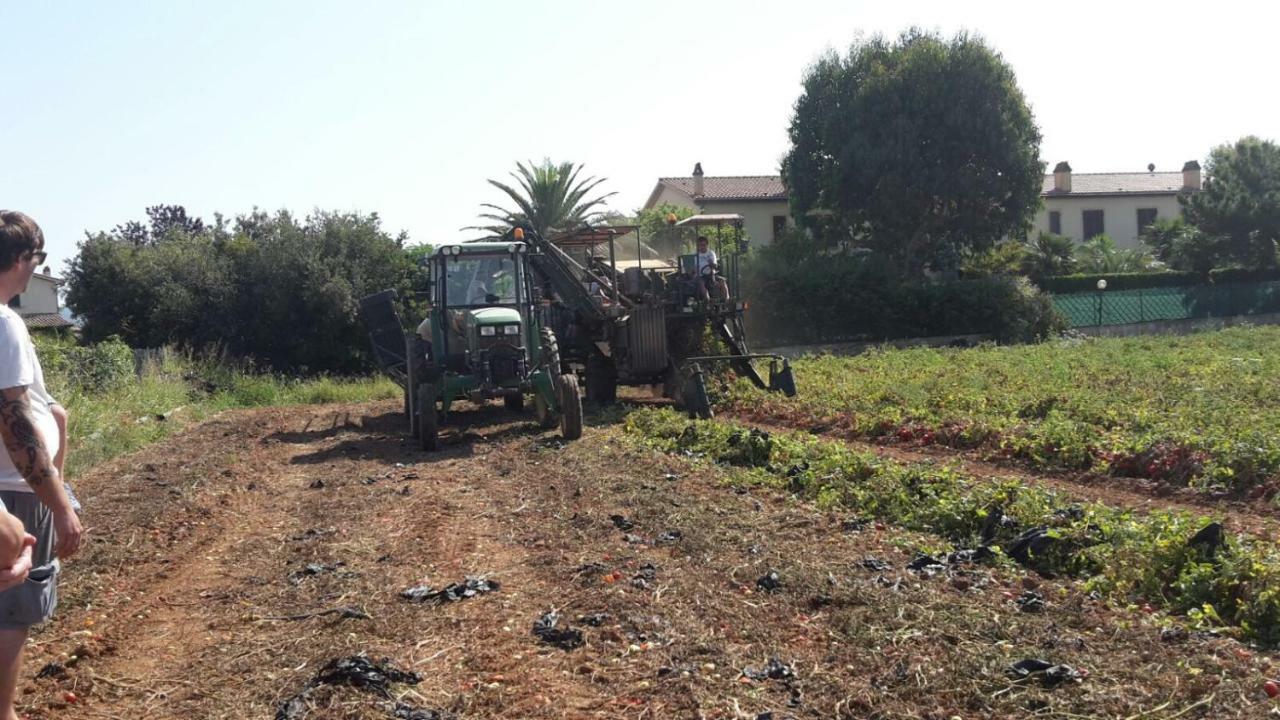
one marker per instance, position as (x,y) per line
(428,430)
(570,407)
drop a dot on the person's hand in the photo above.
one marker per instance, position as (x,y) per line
(13,575)
(67,532)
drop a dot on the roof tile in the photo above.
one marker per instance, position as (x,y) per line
(730,187)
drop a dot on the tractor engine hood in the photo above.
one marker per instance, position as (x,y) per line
(495,316)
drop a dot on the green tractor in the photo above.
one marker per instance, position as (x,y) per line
(482,339)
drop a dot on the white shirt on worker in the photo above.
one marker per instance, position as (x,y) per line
(705,262)
(19,367)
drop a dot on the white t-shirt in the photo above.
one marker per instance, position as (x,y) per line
(704,261)
(19,367)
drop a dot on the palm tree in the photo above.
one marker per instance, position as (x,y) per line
(1099,254)
(549,197)
(1049,255)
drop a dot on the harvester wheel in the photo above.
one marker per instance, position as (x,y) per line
(570,407)
(428,431)
(514,403)
(696,401)
(602,380)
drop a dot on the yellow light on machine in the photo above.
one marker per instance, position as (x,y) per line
(518,234)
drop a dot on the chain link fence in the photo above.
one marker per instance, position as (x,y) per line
(1122,307)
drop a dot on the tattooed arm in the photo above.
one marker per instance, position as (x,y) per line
(30,456)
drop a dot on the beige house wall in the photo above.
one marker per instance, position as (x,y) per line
(41,297)
(1119,215)
(757,215)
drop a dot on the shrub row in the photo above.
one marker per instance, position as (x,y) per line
(1185,563)
(838,298)
(1082,282)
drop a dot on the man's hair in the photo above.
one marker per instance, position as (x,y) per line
(703,238)
(19,235)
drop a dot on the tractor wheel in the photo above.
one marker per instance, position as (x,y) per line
(514,403)
(602,380)
(570,407)
(696,401)
(546,418)
(428,431)
(550,353)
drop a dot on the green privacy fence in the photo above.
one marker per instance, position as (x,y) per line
(1121,307)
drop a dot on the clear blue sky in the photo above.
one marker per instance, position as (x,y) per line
(405,108)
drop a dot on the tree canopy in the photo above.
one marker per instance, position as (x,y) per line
(267,287)
(922,149)
(1239,207)
(548,197)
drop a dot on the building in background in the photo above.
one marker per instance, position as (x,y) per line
(39,305)
(761,200)
(1120,205)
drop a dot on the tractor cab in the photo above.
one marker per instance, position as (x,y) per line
(480,313)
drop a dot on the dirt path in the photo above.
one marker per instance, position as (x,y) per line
(201,545)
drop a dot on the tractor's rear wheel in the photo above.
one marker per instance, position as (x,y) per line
(428,430)
(514,403)
(550,353)
(570,407)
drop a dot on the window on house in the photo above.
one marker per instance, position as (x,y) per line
(1055,222)
(779,226)
(1093,224)
(1146,216)
(16,302)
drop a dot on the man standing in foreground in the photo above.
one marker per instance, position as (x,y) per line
(30,486)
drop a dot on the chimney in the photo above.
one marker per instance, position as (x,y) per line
(1191,175)
(1062,177)
(697,180)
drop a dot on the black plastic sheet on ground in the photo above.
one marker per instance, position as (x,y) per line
(770,581)
(360,672)
(1050,674)
(545,629)
(453,592)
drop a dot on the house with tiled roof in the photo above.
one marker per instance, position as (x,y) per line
(1081,205)
(761,200)
(39,306)
(1077,205)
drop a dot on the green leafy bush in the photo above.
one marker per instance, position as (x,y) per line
(98,367)
(800,294)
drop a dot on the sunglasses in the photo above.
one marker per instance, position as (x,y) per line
(39,256)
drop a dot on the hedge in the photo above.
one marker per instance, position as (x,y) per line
(1081,282)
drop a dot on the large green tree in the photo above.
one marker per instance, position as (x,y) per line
(1240,202)
(920,148)
(547,196)
(272,288)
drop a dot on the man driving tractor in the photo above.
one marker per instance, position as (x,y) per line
(706,270)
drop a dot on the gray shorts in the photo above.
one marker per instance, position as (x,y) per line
(32,602)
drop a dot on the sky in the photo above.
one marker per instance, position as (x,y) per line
(406,108)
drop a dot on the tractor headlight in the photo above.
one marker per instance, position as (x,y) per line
(488,330)
(511,329)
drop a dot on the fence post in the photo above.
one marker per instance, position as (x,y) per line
(1141,315)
